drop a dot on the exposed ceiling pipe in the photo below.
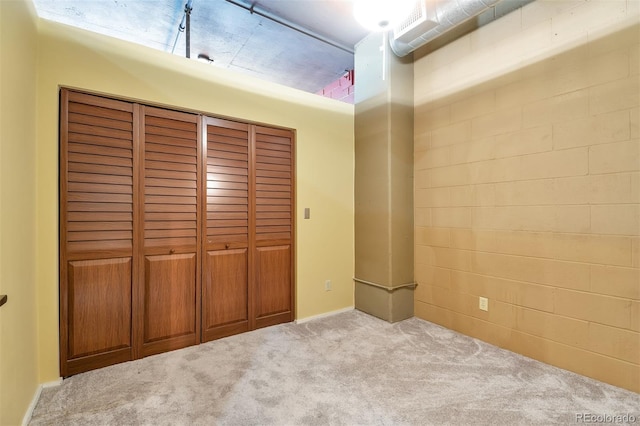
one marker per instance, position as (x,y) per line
(252,9)
(448,14)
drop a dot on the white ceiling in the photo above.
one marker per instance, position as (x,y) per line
(232,36)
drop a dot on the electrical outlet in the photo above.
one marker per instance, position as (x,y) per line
(327,285)
(483,304)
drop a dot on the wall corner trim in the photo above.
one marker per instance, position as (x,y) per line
(386,287)
(36,396)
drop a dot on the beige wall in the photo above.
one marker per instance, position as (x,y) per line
(527,186)
(18,344)
(325,147)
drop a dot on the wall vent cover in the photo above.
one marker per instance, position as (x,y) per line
(416,23)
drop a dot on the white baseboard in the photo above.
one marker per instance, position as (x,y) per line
(326,314)
(36,396)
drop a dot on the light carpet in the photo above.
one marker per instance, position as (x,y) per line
(348,369)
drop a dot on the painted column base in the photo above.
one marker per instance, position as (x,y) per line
(389,304)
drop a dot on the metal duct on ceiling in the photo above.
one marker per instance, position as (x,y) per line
(449,14)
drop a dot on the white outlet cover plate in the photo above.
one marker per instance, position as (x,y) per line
(483,304)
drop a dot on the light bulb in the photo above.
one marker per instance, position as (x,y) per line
(381,15)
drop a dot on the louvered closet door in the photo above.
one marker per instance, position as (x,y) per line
(170,317)
(274,226)
(225,292)
(97,194)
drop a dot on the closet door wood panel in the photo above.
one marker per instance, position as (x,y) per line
(97,193)
(170,231)
(169,296)
(274,226)
(225,298)
(225,293)
(273,287)
(100,293)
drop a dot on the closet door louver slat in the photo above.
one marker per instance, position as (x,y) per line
(95,191)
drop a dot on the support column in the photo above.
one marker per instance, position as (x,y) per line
(384,265)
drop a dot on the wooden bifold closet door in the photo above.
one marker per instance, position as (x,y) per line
(225,292)
(273,261)
(249,213)
(175,228)
(97,198)
(170,176)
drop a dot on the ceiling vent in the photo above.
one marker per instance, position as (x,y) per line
(422,19)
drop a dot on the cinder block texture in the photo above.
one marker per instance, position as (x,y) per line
(527,186)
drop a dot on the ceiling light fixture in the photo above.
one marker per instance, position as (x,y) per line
(381,15)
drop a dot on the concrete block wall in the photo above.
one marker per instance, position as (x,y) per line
(527,185)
